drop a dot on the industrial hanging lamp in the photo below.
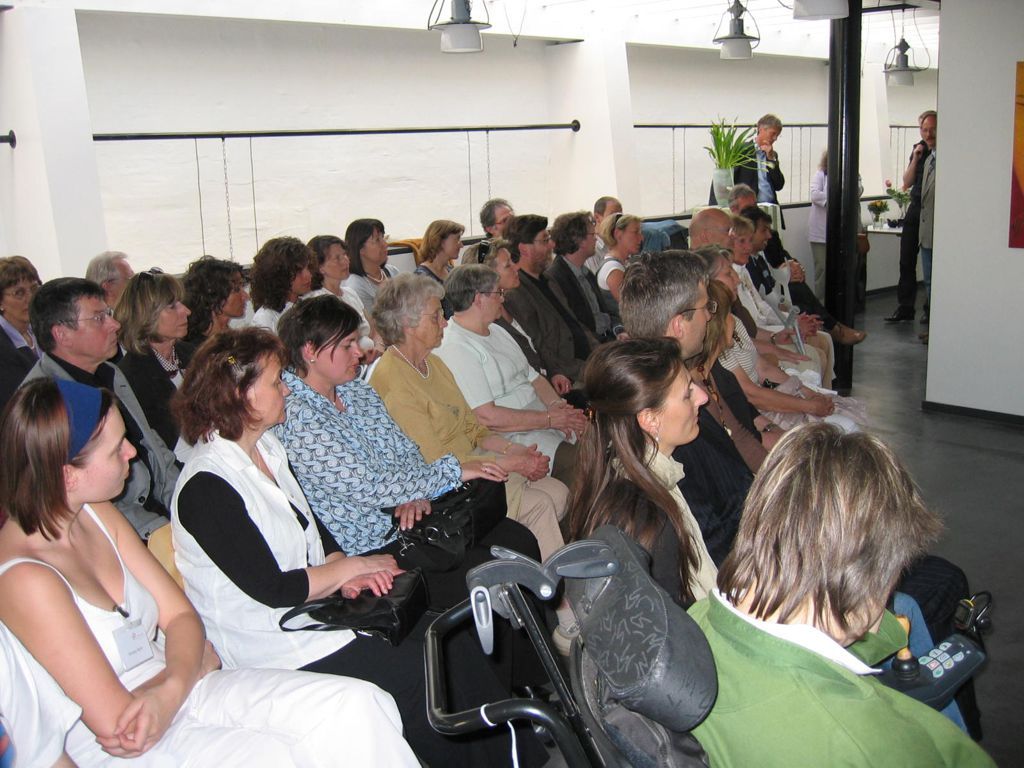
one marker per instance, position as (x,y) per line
(737,44)
(460,34)
(897,61)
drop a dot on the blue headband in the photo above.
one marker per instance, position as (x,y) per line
(83,406)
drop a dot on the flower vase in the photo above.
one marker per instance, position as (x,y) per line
(721,182)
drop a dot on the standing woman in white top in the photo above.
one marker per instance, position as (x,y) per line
(282,271)
(621,233)
(644,406)
(367,246)
(83,601)
(816,223)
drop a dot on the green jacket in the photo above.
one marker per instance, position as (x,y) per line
(782,705)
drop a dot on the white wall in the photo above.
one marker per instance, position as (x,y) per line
(975,358)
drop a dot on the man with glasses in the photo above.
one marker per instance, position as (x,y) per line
(665,294)
(561,341)
(575,239)
(77,333)
(495,216)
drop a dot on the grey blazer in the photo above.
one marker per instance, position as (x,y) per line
(927,227)
(136,487)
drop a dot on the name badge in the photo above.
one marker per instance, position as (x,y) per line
(133,644)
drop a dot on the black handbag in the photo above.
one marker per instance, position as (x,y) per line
(458,520)
(391,616)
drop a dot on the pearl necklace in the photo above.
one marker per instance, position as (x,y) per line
(377,280)
(425,363)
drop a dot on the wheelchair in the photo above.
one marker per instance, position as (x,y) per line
(641,675)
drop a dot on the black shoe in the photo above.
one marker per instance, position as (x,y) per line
(901,315)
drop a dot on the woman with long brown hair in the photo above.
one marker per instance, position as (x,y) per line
(643,405)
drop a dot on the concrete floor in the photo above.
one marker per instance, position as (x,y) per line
(972,472)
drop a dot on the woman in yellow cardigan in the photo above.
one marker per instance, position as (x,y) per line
(424,400)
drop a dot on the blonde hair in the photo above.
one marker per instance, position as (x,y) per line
(146,295)
(616,223)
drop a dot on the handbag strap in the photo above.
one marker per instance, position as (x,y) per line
(306,609)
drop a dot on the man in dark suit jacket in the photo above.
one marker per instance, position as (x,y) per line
(561,341)
(575,239)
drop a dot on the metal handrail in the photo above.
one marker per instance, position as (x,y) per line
(573,126)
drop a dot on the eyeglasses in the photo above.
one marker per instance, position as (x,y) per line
(544,240)
(711,306)
(380,237)
(496,292)
(436,316)
(99,318)
(22,292)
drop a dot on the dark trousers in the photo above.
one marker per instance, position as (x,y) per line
(906,290)
(400,672)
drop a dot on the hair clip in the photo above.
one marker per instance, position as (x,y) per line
(231,360)
(590,414)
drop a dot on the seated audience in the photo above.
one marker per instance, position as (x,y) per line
(84,602)
(19,350)
(495,254)
(665,294)
(367,247)
(110,270)
(644,406)
(423,398)
(215,293)
(249,546)
(575,239)
(282,271)
(623,238)
(495,215)
(831,521)
(154,322)
(351,458)
(438,253)
(505,393)
(78,335)
(562,342)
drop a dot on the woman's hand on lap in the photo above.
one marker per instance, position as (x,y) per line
(411,512)
(378,582)
(561,384)
(488,470)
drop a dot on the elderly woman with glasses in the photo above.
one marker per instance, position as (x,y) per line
(154,322)
(18,348)
(505,393)
(215,292)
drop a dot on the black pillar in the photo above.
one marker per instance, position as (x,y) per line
(843,162)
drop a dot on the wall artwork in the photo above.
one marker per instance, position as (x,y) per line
(1017,171)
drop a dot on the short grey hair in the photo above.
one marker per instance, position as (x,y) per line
(656,288)
(400,303)
(489,211)
(465,282)
(770,121)
(101,268)
(736,191)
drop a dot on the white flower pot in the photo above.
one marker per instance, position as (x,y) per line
(721,182)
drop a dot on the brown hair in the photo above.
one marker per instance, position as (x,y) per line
(14,269)
(274,268)
(714,333)
(614,484)
(34,440)
(146,295)
(435,235)
(212,396)
(829,523)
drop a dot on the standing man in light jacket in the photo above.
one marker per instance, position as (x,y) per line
(78,334)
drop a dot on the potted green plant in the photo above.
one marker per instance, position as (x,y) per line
(731,147)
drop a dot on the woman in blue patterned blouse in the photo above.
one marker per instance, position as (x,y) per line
(350,457)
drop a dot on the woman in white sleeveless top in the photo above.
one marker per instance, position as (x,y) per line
(83,601)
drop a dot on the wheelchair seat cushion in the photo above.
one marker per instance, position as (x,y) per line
(649,655)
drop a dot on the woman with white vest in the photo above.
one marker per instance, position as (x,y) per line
(249,548)
(104,657)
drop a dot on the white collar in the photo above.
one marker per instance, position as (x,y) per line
(806,636)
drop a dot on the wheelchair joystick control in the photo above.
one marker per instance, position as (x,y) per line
(905,665)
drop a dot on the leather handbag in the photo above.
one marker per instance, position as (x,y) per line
(391,616)
(458,520)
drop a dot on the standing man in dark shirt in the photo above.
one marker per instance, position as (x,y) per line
(78,334)
(906,290)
